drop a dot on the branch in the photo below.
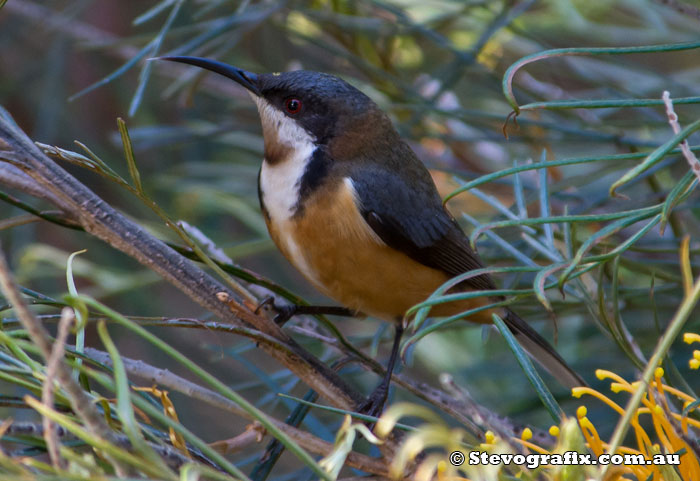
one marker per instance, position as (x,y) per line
(474,417)
(80,402)
(164,377)
(173,458)
(101,220)
(15,178)
(98,218)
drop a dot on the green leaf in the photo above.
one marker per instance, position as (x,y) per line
(532,375)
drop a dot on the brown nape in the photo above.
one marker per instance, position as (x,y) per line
(353,266)
(373,130)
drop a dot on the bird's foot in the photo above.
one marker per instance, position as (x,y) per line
(374,404)
(283,313)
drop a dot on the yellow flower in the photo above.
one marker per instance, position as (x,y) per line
(663,436)
(670,429)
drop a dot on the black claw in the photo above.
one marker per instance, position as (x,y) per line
(374,404)
(268,301)
(284,313)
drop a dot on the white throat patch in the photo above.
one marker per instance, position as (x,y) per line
(279,182)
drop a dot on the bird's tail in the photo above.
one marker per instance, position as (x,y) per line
(542,351)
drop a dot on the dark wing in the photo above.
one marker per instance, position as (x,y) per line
(412,220)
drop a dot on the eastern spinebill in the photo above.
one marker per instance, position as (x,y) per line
(352,207)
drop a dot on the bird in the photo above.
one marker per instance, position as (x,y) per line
(356,212)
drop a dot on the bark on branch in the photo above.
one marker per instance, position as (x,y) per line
(101,220)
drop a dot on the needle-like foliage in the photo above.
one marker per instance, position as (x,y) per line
(562,136)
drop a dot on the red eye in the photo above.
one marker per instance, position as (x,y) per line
(293,105)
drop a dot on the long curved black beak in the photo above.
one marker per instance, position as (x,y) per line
(246,79)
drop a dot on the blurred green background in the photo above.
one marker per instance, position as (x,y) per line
(436,68)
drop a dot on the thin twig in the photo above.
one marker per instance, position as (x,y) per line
(17,221)
(676,127)
(253,434)
(52,363)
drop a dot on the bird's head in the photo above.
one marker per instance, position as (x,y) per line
(303,107)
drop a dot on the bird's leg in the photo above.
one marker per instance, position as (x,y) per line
(374,405)
(285,313)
